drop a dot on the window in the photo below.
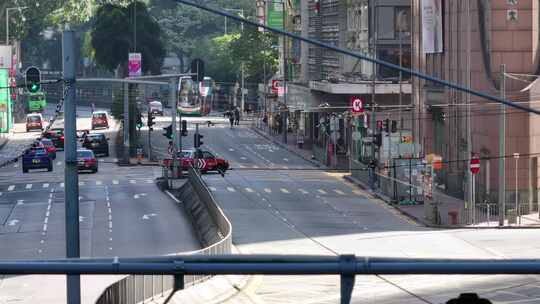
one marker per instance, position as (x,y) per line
(393,20)
(207,155)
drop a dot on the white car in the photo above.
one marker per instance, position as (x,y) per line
(155,107)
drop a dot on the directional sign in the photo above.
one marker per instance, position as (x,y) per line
(475,165)
(357,105)
(201,163)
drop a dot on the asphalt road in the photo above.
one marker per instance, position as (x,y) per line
(122,212)
(279,203)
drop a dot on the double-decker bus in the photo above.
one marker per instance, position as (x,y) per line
(207,94)
(190,101)
(36,102)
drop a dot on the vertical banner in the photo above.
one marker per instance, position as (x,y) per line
(5,56)
(5,102)
(275,14)
(432,33)
(135,64)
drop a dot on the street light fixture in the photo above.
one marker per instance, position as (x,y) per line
(19,8)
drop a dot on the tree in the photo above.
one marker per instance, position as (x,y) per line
(112,37)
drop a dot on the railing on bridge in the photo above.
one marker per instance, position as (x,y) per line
(138,288)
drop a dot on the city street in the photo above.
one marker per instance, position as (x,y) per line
(122,212)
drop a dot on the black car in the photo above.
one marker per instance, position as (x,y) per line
(56,135)
(96,142)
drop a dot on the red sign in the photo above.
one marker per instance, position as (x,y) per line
(475,165)
(357,105)
(275,86)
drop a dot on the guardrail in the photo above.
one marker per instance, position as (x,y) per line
(138,288)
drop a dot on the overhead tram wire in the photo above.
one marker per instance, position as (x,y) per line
(361,57)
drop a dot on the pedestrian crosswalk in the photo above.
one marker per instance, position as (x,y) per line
(289,191)
(39,186)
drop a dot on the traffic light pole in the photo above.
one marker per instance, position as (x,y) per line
(70,173)
(149,140)
(176,140)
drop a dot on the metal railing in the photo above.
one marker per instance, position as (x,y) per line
(138,288)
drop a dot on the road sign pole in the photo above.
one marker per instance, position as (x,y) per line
(502,148)
(473,199)
(175,133)
(70,172)
(126,123)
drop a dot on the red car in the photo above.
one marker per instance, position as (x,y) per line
(86,161)
(206,161)
(49,146)
(100,120)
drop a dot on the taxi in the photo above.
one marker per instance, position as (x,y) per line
(36,157)
(206,161)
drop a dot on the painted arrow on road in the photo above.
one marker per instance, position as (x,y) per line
(148,216)
(137,196)
(13,222)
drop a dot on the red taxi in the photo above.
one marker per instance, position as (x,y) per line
(206,161)
(100,120)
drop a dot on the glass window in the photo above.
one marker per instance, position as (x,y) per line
(85,154)
(385,22)
(207,155)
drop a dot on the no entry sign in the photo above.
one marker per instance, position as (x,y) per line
(357,105)
(475,165)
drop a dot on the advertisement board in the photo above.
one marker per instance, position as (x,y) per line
(432,34)
(5,102)
(275,14)
(135,64)
(5,56)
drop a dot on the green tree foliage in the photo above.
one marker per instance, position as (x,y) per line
(112,37)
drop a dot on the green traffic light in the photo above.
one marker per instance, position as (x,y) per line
(34,88)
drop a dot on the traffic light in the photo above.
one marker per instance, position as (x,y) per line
(394,126)
(197,67)
(150,122)
(184,128)
(168,132)
(197,142)
(386,125)
(33,79)
(139,121)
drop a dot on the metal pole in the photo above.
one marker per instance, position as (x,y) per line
(242,102)
(400,95)
(502,148)
(7,27)
(473,201)
(469,123)
(173,101)
(70,172)
(126,123)
(373,73)
(516,157)
(149,144)
(286,112)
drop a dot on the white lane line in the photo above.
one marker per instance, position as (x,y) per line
(98,183)
(173,197)
(243,158)
(213,189)
(45,185)
(16,166)
(284,190)
(0,193)
(249,190)
(44,227)
(28,186)
(321,191)
(241,166)
(132,181)
(286,159)
(59,163)
(267,190)
(20,202)
(231,149)
(110,225)
(62,185)
(115,182)
(231,189)
(303,191)
(285,168)
(339,192)
(255,166)
(149,181)
(81,183)
(11,187)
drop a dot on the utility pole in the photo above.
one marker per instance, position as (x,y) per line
(400,119)
(470,181)
(70,173)
(502,149)
(173,101)
(373,74)
(126,123)
(285,75)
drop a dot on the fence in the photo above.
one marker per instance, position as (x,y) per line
(138,288)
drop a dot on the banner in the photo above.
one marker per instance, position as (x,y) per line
(135,64)
(275,15)
(432,33)
(5,57)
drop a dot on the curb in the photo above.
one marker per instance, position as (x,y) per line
(283,146)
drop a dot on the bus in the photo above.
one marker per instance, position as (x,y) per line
(190,101)
(36,102)
(207,94)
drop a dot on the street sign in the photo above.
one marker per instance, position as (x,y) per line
(135,64)
(475,165)
(357,105)
(275,86)
(201,163)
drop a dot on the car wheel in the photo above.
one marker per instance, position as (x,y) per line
(49,168)
(95,170)
(221,168)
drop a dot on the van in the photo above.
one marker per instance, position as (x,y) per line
(100,120)
(155,107)
(34,121)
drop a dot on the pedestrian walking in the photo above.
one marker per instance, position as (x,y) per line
(372,174)
(230,115)
(236,116)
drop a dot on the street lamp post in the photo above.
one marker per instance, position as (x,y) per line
(7,19)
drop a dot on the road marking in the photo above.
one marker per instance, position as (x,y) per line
(339,192)
(16,166)
(213,189)
(132,181)
(44,227)
(249,190)
(62,185)
(28,186)
(231,149)
(81,183)
(285,168)
(255,166)
(173,197)
(303,191)
(110,225)
(99,183)
(149,181)
(0,193)
(101,160)
(59,163)
(45,185)
(10,188)
(20,202)
(231,189)
(286,159)
(267,190)
(321,191)
(243,158)
(358,192)
(46,220)
(115,182)
(241,166)
(284,190)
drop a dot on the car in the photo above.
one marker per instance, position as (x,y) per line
(100,120)
(155,107)
(97,142)
(207,161)
(49,146)
(86,161)
(36,158)
(34,121)
(56,135)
